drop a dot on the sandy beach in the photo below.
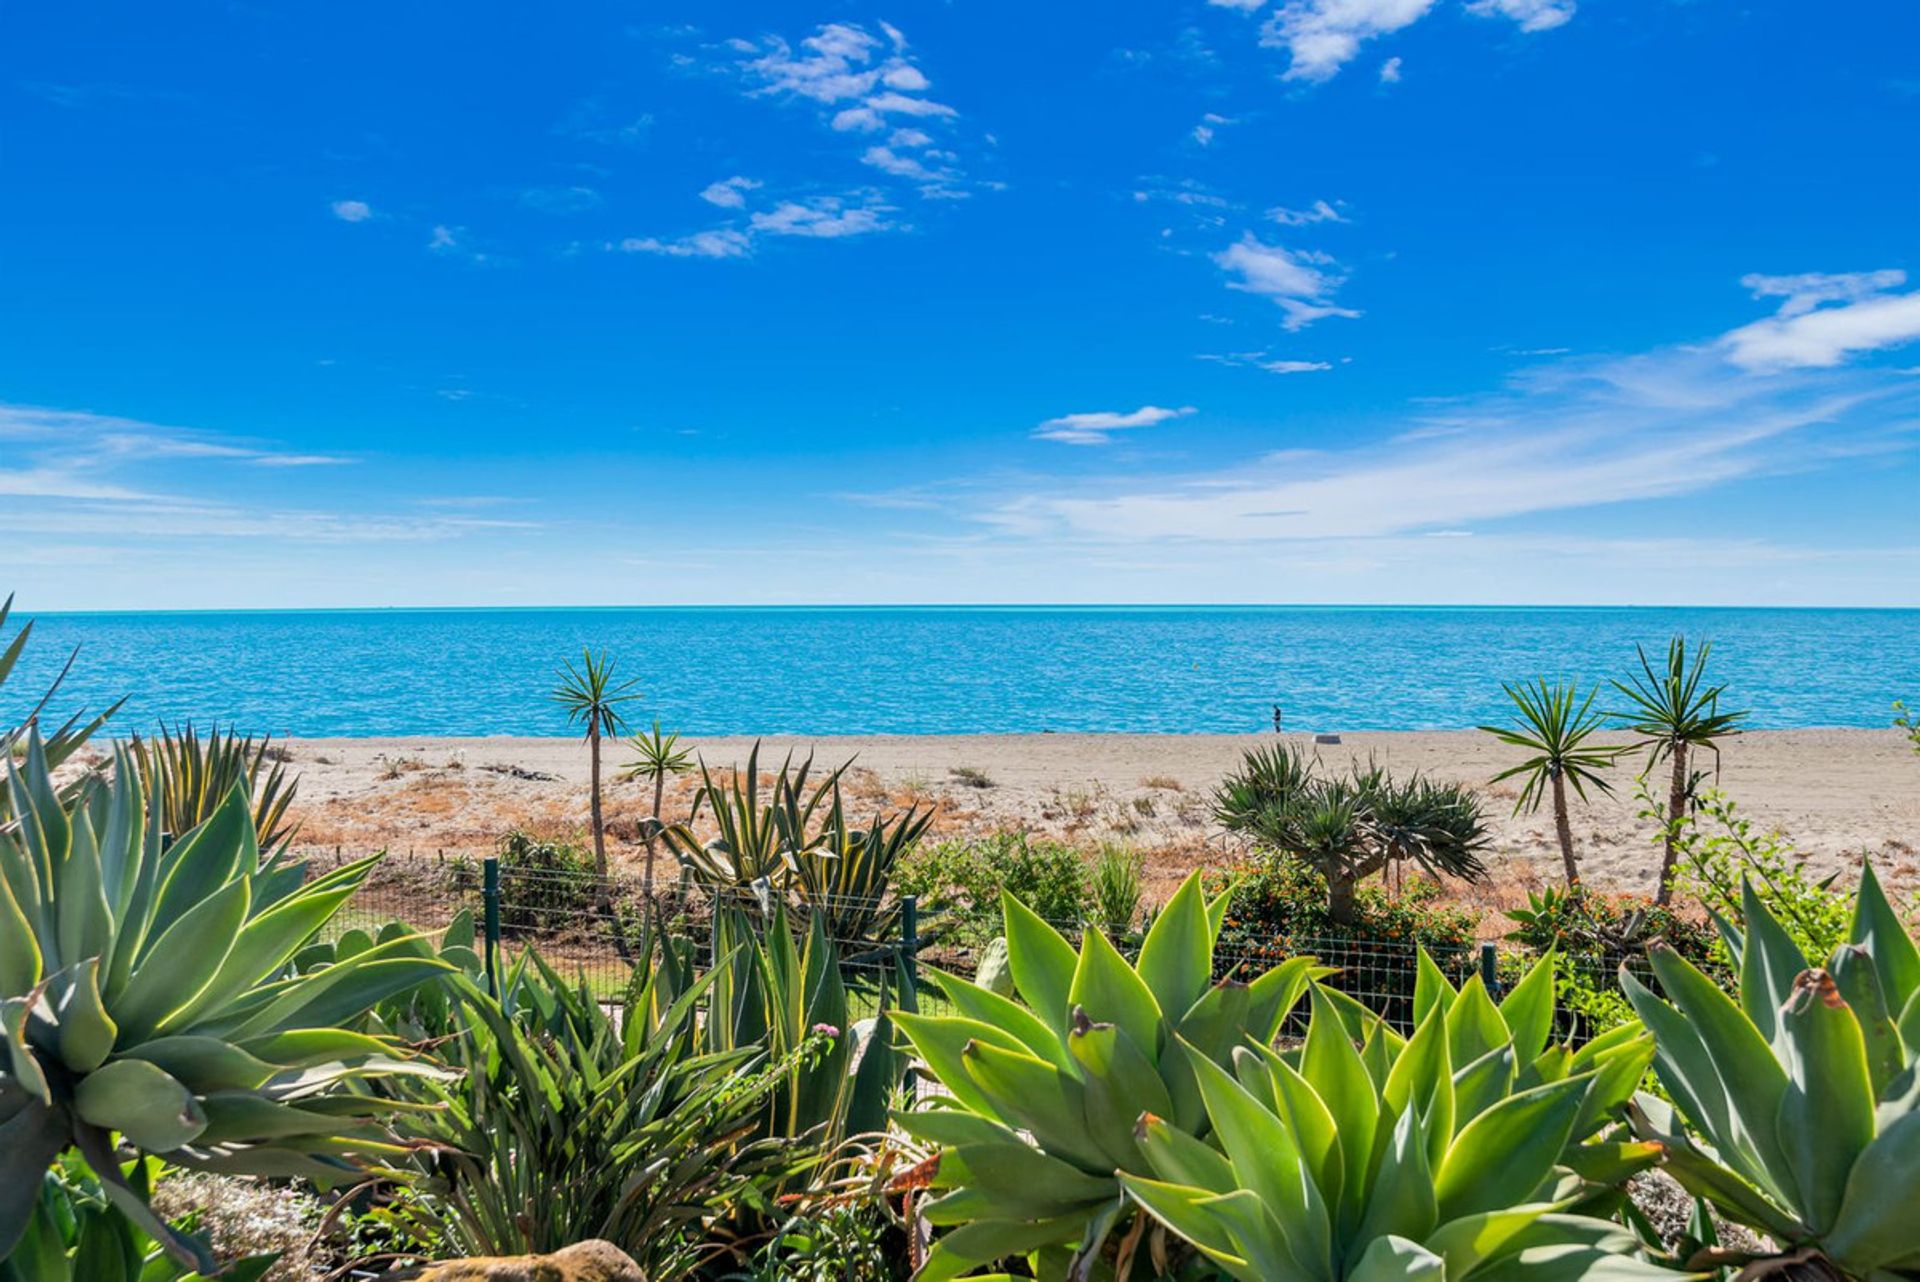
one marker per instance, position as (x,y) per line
(1835,793)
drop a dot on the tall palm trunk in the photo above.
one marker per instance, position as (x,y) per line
(1339,896)
(1563,829)
(653,833)
(1676,810)
(593,803)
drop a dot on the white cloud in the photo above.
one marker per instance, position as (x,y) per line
(1390,71)
(1243,6)
(1321,36)
(1295,280)
(823,217)
(1271,364)
(1096,427)
(1532,15)
(729,193)
(718,243)
(1824,319)
(351,211)
(1319,212)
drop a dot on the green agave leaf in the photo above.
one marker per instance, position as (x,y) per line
(1474,1025)
(1203,1219)
(1878,929)
(1826,1114)
(1504,1155)
(1331,1064)
(179,964)
(983,1006)
(1043,964)
(952,1127)
(941,1042)
(1875,1227)
(1030,1093)
(1858,980)
(87,1032)
(1025,1182)
(1528,1009)
(1396,1259)
(984,1241)
(1403,1201)
(1111,991)
(1471,1240)
(1178,1158)
(1176,960)
(1120,1083)
(143,1102)
(1768,965)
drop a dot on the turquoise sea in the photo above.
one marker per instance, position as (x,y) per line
(934,670)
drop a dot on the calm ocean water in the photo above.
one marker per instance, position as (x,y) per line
(946,670)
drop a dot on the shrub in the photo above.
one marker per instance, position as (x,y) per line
(962,881)
(544,885)
(1278,908)
(1115,887)
(1720,851)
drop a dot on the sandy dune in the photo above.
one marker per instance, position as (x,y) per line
(1837,793)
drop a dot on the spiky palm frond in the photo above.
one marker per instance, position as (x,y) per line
(1674,706)
(60,742)
(1556,732)
(590,696)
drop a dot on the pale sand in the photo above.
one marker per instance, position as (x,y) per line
(1836,793)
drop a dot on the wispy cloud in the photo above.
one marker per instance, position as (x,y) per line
(351,211)
(719,243)
(1318,212)
(1097,427)
(1301,282)
(1824,319)
(1322,36)
(1263,361)
(729,193)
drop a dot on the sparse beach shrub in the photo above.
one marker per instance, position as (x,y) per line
(972,777)
(959,883)
(1908,721)
(546,886)
(1721,852)
(1595,935)
(1114,881)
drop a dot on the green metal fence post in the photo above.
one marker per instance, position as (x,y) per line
(490,895)
(1490,969)
(910,950)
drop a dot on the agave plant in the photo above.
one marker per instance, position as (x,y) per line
(189,777)
(1800,1096)
(798,841)
(145,993)
(65,740)
(1374,1162)
(1096,1042)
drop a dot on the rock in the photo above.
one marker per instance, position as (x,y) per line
(1326,738)
(995,971)
(590,1261)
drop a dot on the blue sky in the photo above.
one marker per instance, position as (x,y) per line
(1330,300)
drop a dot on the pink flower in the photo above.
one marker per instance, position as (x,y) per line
(825,1030)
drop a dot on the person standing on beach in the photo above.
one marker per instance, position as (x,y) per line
(1276,718)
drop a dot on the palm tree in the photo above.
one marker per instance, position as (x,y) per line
(657,756)
(1556,733)
(1675,713)
(590,697)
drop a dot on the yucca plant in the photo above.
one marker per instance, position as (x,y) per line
(1675,714)
(1376,1162)
(565,1123)
(842,875)
(1800,1095)
(1091,1043)
(1556,731)
(145,993)
(657,757)
(190,776)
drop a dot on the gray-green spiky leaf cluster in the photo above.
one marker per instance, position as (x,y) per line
(146,994)
(1800,1094)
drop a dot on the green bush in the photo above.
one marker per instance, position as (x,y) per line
(1595,935)
(544,885)
(961,882)
(1115,889)
(1720,851)
(1278,909)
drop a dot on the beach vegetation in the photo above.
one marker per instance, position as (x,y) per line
(1723,856)
(1087,1044)
(1676,715)
(1349,827)
(59,742)
(657,757)
(1794,1109)
(147,1005)
(1556,728)
(1114,890)
(1908,720)
(547,885)
(971,777)
(959,884)
(595,701)
(190,775)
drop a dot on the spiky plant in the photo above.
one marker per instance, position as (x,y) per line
(1442,1158)
(657,757)
(1675,714)
(64,740)
(1800,1094)
(592,699)
(1353,826)
(146,1002)
(1557,734)
(190,775)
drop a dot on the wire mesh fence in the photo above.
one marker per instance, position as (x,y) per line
(592,928)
